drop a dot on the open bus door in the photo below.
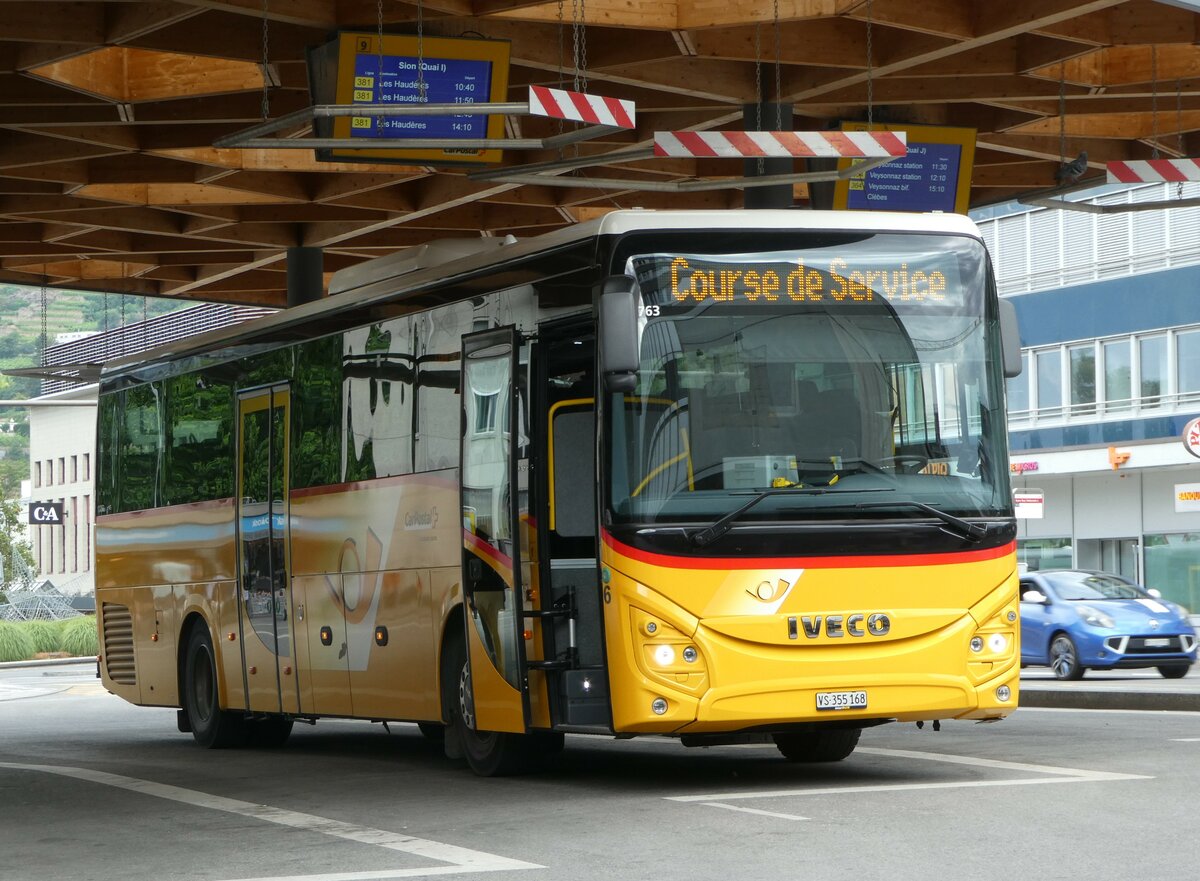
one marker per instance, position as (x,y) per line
(268,661)
(493,494)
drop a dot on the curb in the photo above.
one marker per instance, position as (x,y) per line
(1110,700)
(46,662)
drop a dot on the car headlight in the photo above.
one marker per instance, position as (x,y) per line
(1092,615)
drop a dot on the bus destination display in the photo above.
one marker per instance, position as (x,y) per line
(935,175)
(447,81)
(924,180)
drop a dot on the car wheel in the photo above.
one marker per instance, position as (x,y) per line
(1064,658)
(1174,671)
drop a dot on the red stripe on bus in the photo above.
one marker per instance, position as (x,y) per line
(832,562)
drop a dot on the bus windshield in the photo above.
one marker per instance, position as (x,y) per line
(867,367)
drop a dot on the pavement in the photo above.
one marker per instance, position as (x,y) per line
(1098,690)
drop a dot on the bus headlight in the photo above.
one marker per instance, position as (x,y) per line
(664,655)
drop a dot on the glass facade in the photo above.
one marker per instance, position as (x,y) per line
(1172,564)
(1037,554)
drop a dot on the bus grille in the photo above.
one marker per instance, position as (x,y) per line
(118,644)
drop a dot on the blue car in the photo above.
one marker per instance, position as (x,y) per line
(1073,620)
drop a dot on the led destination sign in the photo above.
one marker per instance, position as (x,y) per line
(833,280)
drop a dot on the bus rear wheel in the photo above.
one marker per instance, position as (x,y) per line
(829,745)
(212,727)
(488,753)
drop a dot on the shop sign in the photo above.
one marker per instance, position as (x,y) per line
(1191,437)
(1187,498)
(1022,467)
(1029,504)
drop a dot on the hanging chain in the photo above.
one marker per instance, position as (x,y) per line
(145,327)
(562,40)
(579,38)
(379,120)
(778,72)
(266,75)
(106,313)
(870,71)
(1179,130)
(122,325)
(1062,115)
(1154,102)
(422,97)
(758,90)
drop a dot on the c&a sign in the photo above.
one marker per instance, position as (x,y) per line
(46,513)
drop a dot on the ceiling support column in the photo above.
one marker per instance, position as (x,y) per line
(305,275)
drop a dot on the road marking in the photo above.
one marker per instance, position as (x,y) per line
(461,859)
(717,804)
(1054,775)
(1185,739)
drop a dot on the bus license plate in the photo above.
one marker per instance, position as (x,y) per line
(841,700)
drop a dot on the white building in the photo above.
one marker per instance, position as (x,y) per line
(62,442)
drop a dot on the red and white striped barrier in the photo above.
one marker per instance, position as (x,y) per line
(580,107)
(1154,171)
(750,145)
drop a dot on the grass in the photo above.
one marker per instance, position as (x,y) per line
(46,635)
(79,637)
(16,644)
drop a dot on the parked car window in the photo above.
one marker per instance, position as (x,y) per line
(1086,586)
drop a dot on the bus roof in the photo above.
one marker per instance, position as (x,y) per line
(373,281)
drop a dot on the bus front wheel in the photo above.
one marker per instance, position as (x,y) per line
(829,745)
(488,753)
(212,727)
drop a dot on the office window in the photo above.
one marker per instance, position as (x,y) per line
(1152,359)
(1118,374)
(1083,378)
(37,473)
(62,469)
(1049,380)
(87,532)
(74,469)
(74,526)
(1187,350)
(1018,388)
(87,466)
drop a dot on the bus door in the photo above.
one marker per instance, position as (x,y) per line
(492,498)
(572,636)
(264,607)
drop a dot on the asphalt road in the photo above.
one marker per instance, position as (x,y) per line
(92,788)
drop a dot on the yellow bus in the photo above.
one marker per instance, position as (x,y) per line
(719,476)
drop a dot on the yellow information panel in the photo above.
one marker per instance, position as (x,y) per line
(455,70)
(934,176)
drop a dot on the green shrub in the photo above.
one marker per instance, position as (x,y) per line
(15,642)
(79,637)
(46,635)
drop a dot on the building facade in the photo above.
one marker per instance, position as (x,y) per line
(62,437)
(1109,310)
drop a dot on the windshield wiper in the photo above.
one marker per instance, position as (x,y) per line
(972,531)
(708,535)
(711,533)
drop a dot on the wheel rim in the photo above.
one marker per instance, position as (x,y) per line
(203,685)
(1063,660)
(466,701)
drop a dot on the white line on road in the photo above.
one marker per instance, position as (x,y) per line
(1186,739)
(717,804)
(461,859)
(1055,775)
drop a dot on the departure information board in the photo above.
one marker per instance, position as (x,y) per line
(934,176)
(454,71)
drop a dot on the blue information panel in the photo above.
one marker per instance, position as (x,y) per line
(924,180)
(447,81)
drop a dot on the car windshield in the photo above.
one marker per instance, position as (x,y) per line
(866,367)
(1092,586)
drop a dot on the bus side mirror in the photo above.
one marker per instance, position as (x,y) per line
(618,334)
(1010,339)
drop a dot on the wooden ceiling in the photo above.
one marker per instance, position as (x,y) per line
(108,112)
